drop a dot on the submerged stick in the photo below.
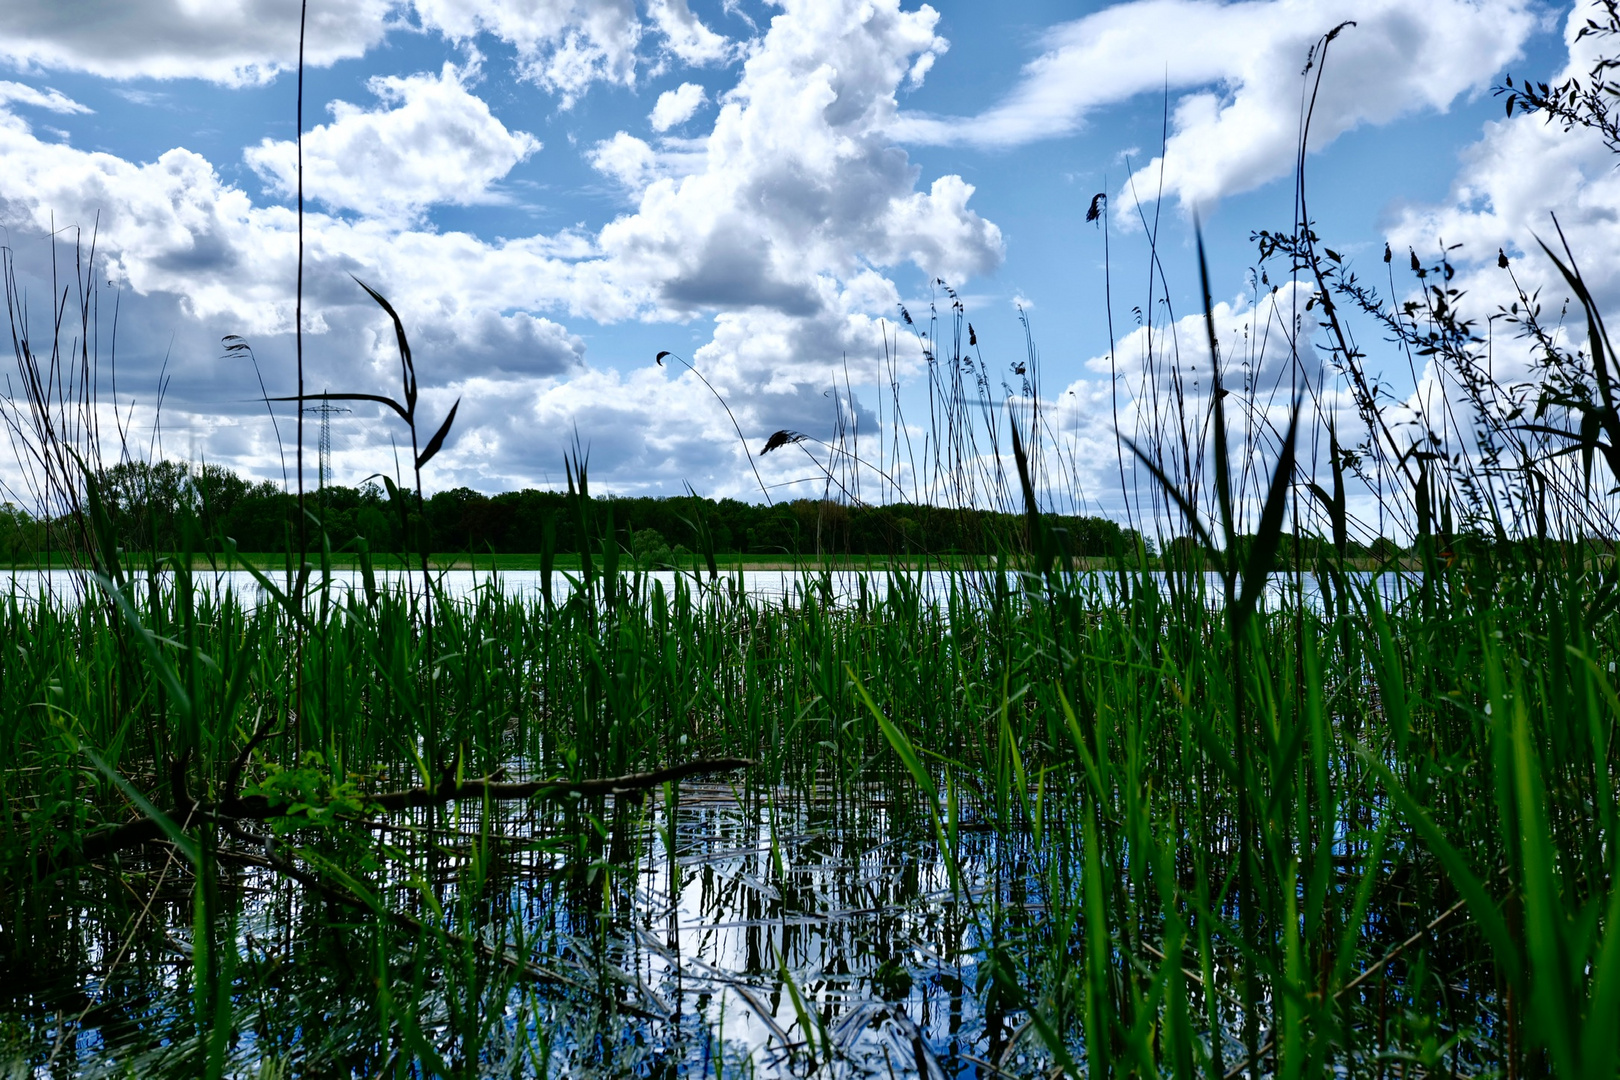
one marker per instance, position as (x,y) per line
(527,969)
(259,808)
(608,785)
(1383,961)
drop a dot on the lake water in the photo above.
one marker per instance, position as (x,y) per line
(776,585)
(676,949)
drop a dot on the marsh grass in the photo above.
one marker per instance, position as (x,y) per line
(1450,746)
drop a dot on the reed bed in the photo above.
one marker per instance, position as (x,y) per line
(1372,829)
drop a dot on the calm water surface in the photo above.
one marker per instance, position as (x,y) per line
(789,586)
(678,950)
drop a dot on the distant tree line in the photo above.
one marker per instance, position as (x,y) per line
(148,505)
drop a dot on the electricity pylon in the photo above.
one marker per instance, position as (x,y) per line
(325,410)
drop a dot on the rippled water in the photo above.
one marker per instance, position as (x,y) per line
(841,586)
(672,953)
(460,584)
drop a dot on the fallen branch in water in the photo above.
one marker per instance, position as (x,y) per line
(258,808)
(608,785)
(274,859)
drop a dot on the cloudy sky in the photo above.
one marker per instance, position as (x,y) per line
(553,191)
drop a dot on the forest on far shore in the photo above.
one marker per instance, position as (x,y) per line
(147,504)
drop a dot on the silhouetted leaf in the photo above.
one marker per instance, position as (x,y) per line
(1597,337)
(391,487)
(437,441)
(1222,465)
(406,364)
(1269,536)
(1187,509)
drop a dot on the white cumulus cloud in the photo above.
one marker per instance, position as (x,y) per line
(430,140)
(1240,65)
(676,106)
(783,224)
(625,158)
(246,41)
(801,202)
(800,182)
(564,45)
(686,36)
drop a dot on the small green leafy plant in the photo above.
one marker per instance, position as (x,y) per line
(310,796)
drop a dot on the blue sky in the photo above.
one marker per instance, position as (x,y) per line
(554,190)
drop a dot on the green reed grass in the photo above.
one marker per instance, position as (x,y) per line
(1272,830)
(1225,852)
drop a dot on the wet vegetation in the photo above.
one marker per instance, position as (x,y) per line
(1248,810)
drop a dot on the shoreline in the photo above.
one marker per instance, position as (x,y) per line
(273,563)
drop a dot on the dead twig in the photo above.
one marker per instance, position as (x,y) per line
(1384,960)
(259,808)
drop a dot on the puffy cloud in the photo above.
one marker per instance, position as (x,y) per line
(247,41)
(685,36)
(938,232)
(173,227)
(783,214)
(800,187)
(626,159)
(1239,126)
(1399,58)
(676,106)
(641,431)
(170,224)
(1520,173)
(782,224)
(779,221)
(483,342)
(430,141)
(564,45)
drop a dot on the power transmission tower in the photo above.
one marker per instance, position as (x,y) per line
(325,410)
